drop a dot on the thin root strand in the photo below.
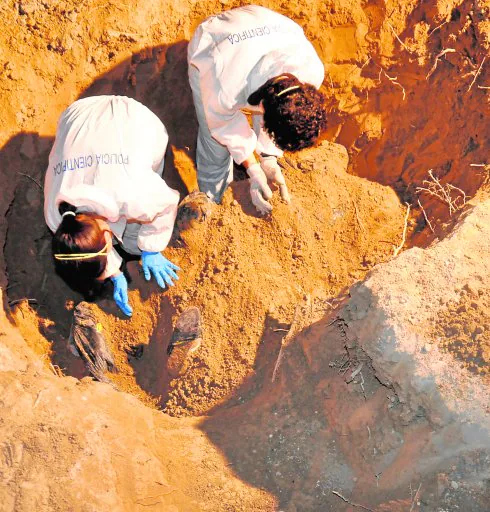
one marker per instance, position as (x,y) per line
(404,234)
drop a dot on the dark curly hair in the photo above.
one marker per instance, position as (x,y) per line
(295,113)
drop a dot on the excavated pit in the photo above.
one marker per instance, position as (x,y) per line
(299,423)
(246,274)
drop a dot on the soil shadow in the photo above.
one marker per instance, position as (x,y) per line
(326,428)
(157,77)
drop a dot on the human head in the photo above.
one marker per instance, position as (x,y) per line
(81,233)
(294,112)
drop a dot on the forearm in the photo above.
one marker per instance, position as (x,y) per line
(249,161)
(160,204)
(155,236)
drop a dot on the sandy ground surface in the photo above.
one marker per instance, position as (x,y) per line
(407,82)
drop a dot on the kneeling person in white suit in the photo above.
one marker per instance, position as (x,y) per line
(255,60)
(104,183)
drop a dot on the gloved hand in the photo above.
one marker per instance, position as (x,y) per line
(273,172)
(161,268)
(121,294)
(259,190)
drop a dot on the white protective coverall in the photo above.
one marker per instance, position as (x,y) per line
(108,158)
(230,56)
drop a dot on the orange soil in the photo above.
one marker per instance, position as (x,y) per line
(396,117)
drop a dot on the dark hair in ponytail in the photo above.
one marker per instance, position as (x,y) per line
(294,118)
(79,233)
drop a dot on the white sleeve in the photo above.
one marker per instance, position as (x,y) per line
(155,236)
(226,123)
(228,126)
(153,204)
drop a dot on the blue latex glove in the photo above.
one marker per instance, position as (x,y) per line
(121,294)
(161,268)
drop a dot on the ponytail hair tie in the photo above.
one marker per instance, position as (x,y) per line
(69,212)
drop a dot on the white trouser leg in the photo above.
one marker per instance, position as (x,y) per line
(214,162)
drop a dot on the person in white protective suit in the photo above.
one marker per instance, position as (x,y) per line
(104,185)
(254,60)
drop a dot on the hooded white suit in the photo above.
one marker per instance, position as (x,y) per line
(108,158)
(230,56)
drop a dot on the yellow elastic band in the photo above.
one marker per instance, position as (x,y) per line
(279,78)
(288,89)
(82,255)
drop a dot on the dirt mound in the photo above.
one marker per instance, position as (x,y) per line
(327,364)
(245,273)
(463,330)
(80,445)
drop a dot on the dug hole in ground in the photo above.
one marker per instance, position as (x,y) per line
(346,349)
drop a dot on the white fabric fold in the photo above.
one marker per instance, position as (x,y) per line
(108,158)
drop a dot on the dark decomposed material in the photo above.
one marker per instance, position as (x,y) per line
(87,339)
(186,339)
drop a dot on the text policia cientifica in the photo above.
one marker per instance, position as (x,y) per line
(84,161)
